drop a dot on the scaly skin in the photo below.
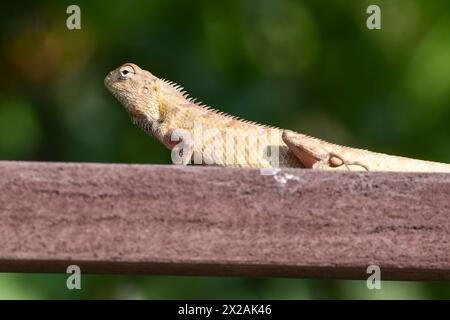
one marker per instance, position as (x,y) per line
(204,135)
(159,107)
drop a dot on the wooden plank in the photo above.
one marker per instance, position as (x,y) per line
(156,219)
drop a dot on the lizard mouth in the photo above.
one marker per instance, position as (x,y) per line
(108,81)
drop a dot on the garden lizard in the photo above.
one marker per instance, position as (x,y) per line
(196,132)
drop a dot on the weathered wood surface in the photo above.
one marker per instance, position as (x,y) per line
(156,219)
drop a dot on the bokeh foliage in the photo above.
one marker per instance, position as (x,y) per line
(312,66)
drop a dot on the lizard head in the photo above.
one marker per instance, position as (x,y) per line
(136,89)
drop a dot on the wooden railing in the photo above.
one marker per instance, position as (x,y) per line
(154,219)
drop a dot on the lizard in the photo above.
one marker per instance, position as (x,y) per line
(195,131)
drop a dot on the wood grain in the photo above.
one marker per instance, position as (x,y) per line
(155,219)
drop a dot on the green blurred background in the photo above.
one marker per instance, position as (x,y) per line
(311,66)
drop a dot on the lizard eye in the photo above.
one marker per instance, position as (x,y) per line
(126,71)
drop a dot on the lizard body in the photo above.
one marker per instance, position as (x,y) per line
(208,136)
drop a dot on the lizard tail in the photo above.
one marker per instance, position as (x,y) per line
(318,154)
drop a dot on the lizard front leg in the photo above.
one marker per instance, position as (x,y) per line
(181,143)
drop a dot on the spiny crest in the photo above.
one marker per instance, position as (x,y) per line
(204,106)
